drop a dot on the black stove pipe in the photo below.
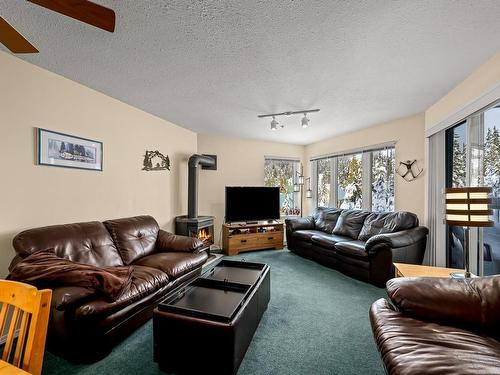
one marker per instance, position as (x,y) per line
(194,161)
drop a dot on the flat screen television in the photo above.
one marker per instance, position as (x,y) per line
(251,203)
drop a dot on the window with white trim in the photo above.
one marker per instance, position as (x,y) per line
(356,180)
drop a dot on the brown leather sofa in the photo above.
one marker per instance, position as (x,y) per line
(88,325)
(359,243)
(439,326)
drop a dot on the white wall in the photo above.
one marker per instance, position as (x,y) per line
(240,162)
(482,80)
(35,196)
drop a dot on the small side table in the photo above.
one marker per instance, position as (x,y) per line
(416,270)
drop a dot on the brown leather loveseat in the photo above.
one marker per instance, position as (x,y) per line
(359,243)
(438,326)
(84,326)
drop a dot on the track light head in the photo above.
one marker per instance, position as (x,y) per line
(305,121)
(274,124)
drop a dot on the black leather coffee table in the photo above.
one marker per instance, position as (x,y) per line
(207,326)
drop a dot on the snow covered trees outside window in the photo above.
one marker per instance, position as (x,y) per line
(350,181)
(383,167)
(324,182)
(459,174)
(280,173)
(491,163)
(486,154)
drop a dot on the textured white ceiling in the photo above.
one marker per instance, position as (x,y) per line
(213,66)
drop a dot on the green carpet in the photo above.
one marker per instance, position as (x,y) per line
(316,323)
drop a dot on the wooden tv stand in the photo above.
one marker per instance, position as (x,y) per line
(237,238)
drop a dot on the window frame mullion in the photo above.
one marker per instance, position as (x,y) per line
(366,183)
(333,182)
(314,182)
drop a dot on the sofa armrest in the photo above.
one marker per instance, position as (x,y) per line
(473,303)
(299,223)
(397,239)
(168,242)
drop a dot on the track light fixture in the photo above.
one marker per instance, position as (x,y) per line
(304,122)
(274,124)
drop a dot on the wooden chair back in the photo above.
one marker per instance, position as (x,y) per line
(24,317)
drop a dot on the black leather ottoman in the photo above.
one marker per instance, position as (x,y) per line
(208,325)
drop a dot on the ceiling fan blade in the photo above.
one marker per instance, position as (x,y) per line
(82,10)
(14,41)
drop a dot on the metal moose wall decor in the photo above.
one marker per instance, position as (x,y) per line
(409,170)
(155,161)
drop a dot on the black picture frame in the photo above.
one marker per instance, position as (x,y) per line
(91,152)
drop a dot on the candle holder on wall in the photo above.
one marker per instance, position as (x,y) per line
(298,187)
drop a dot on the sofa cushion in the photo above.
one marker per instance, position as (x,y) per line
(352,248)
(386,222)
(350,223)
(328,240)
(134,237)
(325,218)
(305,235)
(88,243)
(145,280)
(174,264)
(413,346)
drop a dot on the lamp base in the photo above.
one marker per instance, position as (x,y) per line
(460,275)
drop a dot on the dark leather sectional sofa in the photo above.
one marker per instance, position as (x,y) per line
(88,325)
(439,326)
(359,243)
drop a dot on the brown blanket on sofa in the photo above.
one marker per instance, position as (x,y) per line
(45,269)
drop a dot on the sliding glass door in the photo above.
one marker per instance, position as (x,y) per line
(456,166)
(485,171)
(473,159)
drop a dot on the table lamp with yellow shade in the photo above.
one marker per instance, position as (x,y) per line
(468,207)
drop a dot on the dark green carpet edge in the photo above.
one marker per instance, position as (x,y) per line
(316,323)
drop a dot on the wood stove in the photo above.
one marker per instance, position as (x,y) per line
(201,227)
(192,225)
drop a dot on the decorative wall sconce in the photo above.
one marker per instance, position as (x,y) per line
(298,187)
(309,192)
(409,170)
(299,181)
